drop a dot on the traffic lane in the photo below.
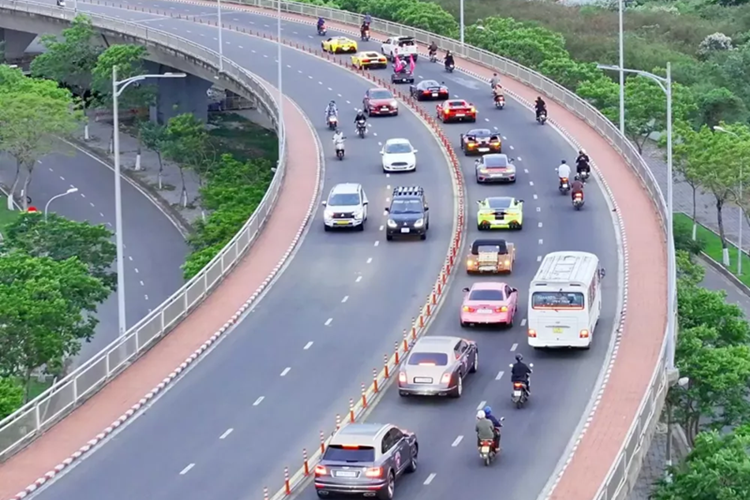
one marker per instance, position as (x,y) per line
(714,280)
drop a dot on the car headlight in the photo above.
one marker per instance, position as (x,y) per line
(419,223)
(358,214)
(327,215)
(394,103)
(482,170)
(391,223)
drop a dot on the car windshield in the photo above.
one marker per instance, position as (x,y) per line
(488,248)
(371,54)
(381,94)
(557,300)
(486,295)
(479,133)
(499,203)
(457,104)
(339,453)
(344,199)
(430,83)
(429,359)
(493,161)
(406,207)
(398,147)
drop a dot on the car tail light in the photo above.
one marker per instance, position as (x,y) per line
(584,334)
(446,378)
(426,92)
(564,180)
(470,262)
(517,385)
(501,309)
(472,109)
(320,470)
(471,145)
(532,333)
(374,472)
(469,309)
(402,377)
(507,262)
(579,195)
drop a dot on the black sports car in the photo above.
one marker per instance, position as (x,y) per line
(481,141)
(428,90)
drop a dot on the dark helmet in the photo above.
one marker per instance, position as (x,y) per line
(519,357)
(564,162)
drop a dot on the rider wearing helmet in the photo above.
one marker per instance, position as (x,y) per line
(521,373)
(433,48)
(485,428)
(361,117)
(582,162)
(321,24)
(488,414)
(540,106)
(449,59)
(576,187)
(332,109)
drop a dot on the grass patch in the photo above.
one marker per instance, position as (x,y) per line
(244,140)
(712,247)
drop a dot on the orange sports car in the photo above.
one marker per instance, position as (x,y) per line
(456,110)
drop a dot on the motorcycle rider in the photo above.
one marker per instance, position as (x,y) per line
(540,106)
(432,49)
(364,29)
(338,140)
(361,117)
(321,24)
(582,162)
(367,20)
(449,59)
(563,171)
(331,110)
(521,373)
(495,422)
(576,187)
(495,81)
(485,428)
(497,90)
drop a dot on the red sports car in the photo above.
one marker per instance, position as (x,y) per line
(379,101)
(456,110)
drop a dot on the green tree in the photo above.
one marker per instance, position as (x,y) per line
(11,396)
(71,57)
(569,73)
(687,270)
(717,468)
(33,113)
(697,306)
(48,308)
(685,164)
(60,239)
(154,137)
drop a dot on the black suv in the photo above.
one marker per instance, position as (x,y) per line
(408,214)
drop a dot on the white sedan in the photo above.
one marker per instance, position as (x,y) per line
(399,156)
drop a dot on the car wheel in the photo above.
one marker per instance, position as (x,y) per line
(326,228)
(412,467)
(463,325)
(389,237)
(423,236)
(403,394)
(386,493)
(459,387)
(361,227)
(322,495)
(475,364)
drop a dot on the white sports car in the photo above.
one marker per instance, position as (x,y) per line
(399,156)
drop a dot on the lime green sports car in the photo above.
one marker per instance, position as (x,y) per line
(500,212)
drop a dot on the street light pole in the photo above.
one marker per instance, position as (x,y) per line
(622,65)
(280,126)
(461,19)
(680,384)
(66,193)
(742,212)
(221,43)
(117,89)
(666,85)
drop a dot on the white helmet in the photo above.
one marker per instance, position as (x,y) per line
(582,151)
(481,415)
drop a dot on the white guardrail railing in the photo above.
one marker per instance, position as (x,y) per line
(64,396)
(629,458)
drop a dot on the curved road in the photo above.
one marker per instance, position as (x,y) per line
(240,416)
(154,248)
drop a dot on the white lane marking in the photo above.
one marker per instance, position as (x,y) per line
(456,441)
(308,345)
(377,243)
(130,257)
(512,147)
(513,347)
(487,119)
(519,158)
(499,375)
(348,102)
(344,299)
(531,183)
(535,197)
(481,405)
(141,283)
(540,224)
(186,469)
(92,205)
(259,400)
(330,89)
(136,270)
(101,214)
(538,258)
(541,241)
(538,209)
(359,278)
(286,370)
(83,195)
(505,138)
(145,297)
(50,169)
(381,228)
(226,433)
(328,321)
(338,95)
(523,322)
(369,260)
(525,170)
(430,478)
(62,178)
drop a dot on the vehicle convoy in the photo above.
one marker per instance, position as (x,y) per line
(402,46)
(399,156)
(565,300)
(500,212)
(379,101)
(494,168)
(346,206)
(481,141)
(366,459)
(428,90)
(408,213)
(369,60)
(437,366)
(489,303)
(457,110)
(339,45)
(491,256)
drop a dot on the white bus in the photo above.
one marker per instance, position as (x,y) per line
(565,300)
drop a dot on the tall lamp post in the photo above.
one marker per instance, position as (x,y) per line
(280,125)
(461,19)
(221,43)
(742,212)
(117,89)
(66,193)
(681,383)
(666,85)
(621,37)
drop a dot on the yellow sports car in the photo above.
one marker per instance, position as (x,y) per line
(369,60)
(500,212)
(339,44)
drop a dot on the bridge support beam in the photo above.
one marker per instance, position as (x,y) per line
(176,96)
(14,43)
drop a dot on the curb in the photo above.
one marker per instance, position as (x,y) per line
(190,360)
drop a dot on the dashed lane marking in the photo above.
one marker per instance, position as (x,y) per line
(286,370)
(226,433)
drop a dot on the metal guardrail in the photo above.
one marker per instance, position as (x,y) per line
(68,393)
(631,452)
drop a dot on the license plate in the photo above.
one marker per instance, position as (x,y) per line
(485,449)
(434,94)
(484,149)
(384,108)
(345,474)
(422,380)
(487,268)
(342,222)
(485,311)
(460,114)
(404,229)
(557,330)
(516,394)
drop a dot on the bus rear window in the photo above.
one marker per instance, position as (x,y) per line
(339,453)
(557,300)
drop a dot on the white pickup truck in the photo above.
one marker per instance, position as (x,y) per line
(402,46)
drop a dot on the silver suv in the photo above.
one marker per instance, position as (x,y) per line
(346,207)
(366,459)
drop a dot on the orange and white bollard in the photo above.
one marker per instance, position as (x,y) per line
(305,463)
(421,321)
(287,485)
(385,366)
(338,421)
(364,396)
(322,442)
(433,298)
(428,310)
(397,353)
(351,410)
(414,333)
(375,380)
(440,285)
(405,341)
(265,493)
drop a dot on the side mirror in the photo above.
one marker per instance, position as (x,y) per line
(479,202)
(520,201)
(465,290)
(502,419)
(426,209)
(365,203)
(602,273)
(512,160)
(415,151)
(513,290)
(324,203)
(387,210)
(382,152)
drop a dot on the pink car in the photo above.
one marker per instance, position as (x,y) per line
(489,303)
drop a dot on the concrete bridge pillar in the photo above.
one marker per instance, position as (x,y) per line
(176,96)
(14,43)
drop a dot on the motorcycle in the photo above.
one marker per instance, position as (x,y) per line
(578,201)
(365,35)
(520,395)
(499,101)
(361,128)
(487,451)
(450,67)
(433,57)
(542,118)
(322,30)
(584,175)
(332,122)
(339,150)
(564,185)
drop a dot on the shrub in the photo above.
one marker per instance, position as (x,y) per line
(682,230)
(714,43)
